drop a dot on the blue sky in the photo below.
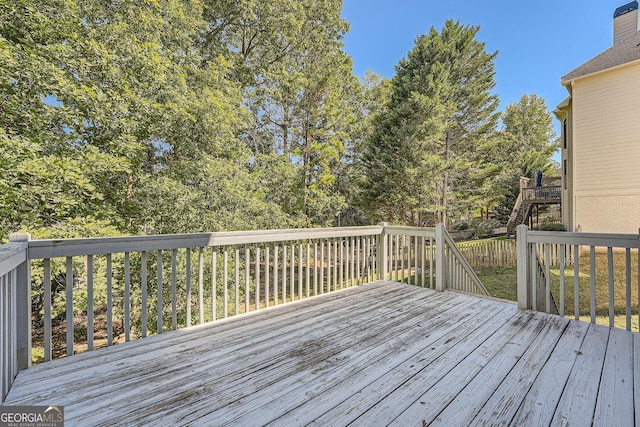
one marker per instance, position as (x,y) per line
(538,42)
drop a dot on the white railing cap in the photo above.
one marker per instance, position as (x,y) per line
(20,237)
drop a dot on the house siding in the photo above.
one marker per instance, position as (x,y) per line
(606,151)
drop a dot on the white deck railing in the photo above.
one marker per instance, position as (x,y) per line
(552,275)
(15,310)
(89,293)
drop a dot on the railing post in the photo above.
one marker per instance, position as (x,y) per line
(440,278)
(524,295)
(23,305)
(383,253)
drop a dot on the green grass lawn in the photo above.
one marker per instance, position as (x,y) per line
(501,282)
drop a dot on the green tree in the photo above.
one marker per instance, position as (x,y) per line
(530,142)
(423,159)
(298,85)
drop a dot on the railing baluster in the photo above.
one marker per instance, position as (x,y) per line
(611,293)
(308,266)
(335,264)
(90,334)
(214,284)
(328,265)
(188,288)
(143,287)
(200,285)
(402,246)
(257,277)
(341,263)
(562,284)
(275,274)
(109,301)
(127,297)
(322,272)
(236,282)
(358,271)
(576,281)
(159,301)
(431,262)
(284,272)
(300,268)
(547,277)
(627,264)
(534,276)
(395,256)
(292,273)
(69,305)
(225,282)
(409,260)
(353,261)
(47,310)
(592,270)
(174,281)
(247,279)
(415,264)
(266,276)
(315,267)
(423,260)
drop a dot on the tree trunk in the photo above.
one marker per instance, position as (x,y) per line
(445,184)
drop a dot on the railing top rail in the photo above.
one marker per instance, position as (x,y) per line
(410,231)
(101,245)
(584,239)
(12,255)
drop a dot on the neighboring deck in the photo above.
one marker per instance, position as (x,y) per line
(383,353)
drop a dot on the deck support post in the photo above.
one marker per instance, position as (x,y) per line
(383,253)
(23,305)
(522,259)
(440,279)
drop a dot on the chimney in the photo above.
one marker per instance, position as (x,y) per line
(625,21)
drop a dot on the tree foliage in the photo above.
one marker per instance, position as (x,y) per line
(529,144)
(423,159)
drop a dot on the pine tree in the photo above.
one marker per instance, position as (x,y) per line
(423,160)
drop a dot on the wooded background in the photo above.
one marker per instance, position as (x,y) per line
(171,116)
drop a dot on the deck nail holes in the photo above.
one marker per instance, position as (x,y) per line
(578,351)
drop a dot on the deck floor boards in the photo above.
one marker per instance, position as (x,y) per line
(377,354)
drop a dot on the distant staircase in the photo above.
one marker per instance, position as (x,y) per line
(531,195)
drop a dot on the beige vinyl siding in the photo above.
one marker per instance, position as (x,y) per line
(606,118)
(606,151)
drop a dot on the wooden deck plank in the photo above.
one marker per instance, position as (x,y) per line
(539,363)
(379,353)
(191,380)
(130,364)
(542,399)
(258,402)
(296,310)
(614,405)
(578,401)
(386,397)
(285,364)
(334,385)
(466,389)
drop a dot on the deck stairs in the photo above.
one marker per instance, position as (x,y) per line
(530,196)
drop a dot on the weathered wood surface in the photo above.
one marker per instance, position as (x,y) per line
(382,353)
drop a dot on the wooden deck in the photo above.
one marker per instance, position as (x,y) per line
(378,354)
